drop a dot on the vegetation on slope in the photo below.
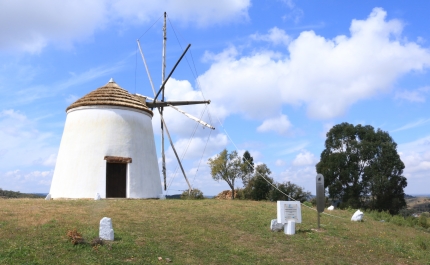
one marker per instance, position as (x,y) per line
(197,232)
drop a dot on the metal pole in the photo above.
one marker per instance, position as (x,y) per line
(163,69)
(318,219)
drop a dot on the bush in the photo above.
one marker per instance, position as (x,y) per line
(293,191)
(195,194)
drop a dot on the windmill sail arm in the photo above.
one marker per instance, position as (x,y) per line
(174,151)
(158,104)
(193,118)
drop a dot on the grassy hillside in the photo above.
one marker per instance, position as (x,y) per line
(420,204)
(34,231)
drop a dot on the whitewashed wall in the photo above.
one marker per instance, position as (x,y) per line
(93,132)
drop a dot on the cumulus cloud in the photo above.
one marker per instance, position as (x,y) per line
(325,75)
(304,158)
(38,23)
(275,36)
(280,125)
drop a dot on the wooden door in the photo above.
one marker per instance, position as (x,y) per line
(116,180)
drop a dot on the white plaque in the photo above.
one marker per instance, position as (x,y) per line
(289,210)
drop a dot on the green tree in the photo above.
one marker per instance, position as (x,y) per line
(228,167)
(293,191)
(247,167)
(362,168)
(195,194)
(259,185)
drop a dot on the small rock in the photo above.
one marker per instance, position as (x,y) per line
(160,258)
(275,226)
(168,260)
(331,208)
(106,230)
(357,216)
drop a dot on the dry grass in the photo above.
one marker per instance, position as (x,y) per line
(34,231)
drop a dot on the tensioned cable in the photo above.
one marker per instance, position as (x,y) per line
(268,180)
(210,120)
(201,158)
(186,149)
(201,115)
(150,27)
(195,72)
(135,74)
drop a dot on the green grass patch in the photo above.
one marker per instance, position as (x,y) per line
(34,231)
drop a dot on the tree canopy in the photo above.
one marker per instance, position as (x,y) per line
(362,168)
(228,167)
(247,167)
(257,187)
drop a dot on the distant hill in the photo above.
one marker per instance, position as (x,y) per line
(8,194)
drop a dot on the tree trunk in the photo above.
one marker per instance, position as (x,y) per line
(232,193)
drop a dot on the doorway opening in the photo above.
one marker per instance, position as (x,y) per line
(116,180)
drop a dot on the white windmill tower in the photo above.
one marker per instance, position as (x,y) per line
(108,147)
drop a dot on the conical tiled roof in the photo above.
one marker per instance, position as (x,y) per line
(110,94)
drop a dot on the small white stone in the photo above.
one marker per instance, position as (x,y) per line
(275,226)
(106,230)
(331,208)
(97,197)
(48,197)
(290,227)
(357,216)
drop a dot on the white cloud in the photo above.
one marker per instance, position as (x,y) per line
(327,75)
(51,160)
(417,95)
(304,158)
(198,12)
(412,125)
(275,36)
(24,181)
(416,157)
(279,162)
(295,13)
(22,143)
(301,176)
(280,125)
(30,26)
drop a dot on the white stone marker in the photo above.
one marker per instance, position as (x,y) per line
(97,197)
(331,208)
(106,230)
(357,216)
(275,226)
(48,197)
(290,228)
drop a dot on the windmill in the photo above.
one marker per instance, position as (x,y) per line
(161,104)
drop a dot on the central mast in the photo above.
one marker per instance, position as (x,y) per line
(163,70)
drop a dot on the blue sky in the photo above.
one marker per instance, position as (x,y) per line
(280,74)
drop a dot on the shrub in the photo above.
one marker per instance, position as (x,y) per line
(293,191)
(195,194)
